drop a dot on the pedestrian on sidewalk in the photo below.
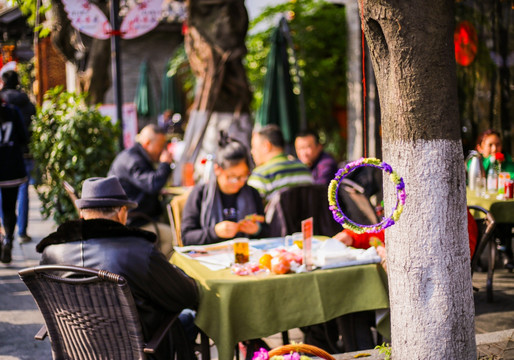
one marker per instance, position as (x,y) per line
(11,93)
(12,171)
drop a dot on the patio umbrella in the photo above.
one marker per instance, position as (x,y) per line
(144,97)
(171,96)
(280,103)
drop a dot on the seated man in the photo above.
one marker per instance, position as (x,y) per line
(310,152)
(100,240)
(142,183)
(226,207)
(274,169)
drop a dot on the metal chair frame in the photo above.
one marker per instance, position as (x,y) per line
(486,226)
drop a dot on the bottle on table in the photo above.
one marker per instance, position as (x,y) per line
(492,179)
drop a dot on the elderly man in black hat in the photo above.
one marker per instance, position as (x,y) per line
(101,240)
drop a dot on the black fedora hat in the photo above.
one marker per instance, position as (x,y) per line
(103,192)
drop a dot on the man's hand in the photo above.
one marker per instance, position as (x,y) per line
(248,227)
(166,157)
(344,238)
(226,229)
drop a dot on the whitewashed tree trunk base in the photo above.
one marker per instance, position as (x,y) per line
(428,253)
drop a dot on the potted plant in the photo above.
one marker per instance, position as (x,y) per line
(71,141)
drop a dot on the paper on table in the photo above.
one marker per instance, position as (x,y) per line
(333,253)
(217,261)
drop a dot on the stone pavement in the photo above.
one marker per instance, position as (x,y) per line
(20,318)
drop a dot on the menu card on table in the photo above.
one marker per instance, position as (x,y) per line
(307,229)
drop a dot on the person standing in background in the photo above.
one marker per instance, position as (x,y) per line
(12,172)
(12,94)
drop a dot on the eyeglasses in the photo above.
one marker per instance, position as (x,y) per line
(236,179)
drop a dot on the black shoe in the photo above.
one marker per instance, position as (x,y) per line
(23,239)
(6,257)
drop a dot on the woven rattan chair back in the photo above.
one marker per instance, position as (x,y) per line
(89,314)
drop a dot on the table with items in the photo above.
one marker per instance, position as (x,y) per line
(259,303)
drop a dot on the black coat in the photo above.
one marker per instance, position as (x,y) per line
(22,102)
(157,286)
(140,180)
(12,139)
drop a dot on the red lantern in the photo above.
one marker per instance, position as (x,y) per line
(466,43)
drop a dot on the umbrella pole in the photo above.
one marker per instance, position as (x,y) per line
(116,65)
(301,100)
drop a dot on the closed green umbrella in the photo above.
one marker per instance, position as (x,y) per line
(280,104)
(144,98)
(171,96)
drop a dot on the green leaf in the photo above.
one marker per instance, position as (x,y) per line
(64,148)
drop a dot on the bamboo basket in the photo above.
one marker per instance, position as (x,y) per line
(300,348)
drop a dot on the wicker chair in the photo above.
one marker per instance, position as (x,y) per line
(90,314)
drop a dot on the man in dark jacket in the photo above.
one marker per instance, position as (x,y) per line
(100,240)
(12,94)
(143,181)
(135,169)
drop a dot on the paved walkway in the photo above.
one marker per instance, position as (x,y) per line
(20,319)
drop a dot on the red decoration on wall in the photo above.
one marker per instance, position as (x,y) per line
(466,43)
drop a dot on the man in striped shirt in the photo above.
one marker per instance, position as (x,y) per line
(275,170)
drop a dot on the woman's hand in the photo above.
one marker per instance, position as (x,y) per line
(226,229)
(344,238)
(248,227)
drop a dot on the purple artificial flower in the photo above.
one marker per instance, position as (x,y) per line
(388,223)
(387,168)
(262,354)
(402,196)
(401,185)
(292,356)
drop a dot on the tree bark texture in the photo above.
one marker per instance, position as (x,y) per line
(411,47)
(90,56)
(215,45)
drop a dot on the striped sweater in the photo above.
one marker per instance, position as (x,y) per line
(278,173)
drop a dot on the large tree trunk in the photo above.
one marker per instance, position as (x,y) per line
(215,46)
(90,56)
(411,47)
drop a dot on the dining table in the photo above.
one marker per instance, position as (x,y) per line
(235,308)
(502,209)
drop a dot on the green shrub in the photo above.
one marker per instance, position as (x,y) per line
(70,142)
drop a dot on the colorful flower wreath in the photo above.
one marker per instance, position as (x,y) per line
(347,223)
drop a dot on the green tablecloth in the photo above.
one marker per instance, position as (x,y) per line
(502,210)
(235,308)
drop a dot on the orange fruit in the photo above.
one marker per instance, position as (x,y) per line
(265,261)
(280,265)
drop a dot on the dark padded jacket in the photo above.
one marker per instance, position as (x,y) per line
(12,140)
(140,180)
(158,287)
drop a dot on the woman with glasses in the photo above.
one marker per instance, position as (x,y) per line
(225,207)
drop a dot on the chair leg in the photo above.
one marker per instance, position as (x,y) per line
(205,348)
(285,337)
(490,271)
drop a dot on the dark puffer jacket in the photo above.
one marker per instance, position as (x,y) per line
(157,286)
